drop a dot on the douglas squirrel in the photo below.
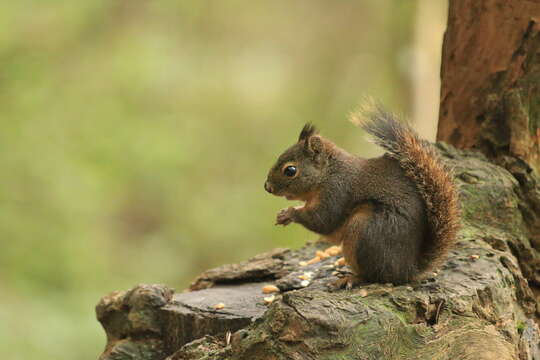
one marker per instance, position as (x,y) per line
(396,216)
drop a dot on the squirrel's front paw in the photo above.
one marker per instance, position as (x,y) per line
(284,217)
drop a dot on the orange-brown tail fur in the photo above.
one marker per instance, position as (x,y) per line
(420,162)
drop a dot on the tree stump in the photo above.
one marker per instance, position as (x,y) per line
(477,306)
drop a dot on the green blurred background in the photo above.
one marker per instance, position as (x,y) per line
(136,137)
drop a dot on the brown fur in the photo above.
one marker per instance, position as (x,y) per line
(310,199)
(346,235)
(422,164)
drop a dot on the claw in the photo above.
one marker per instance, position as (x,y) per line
(284,216)
(347,282)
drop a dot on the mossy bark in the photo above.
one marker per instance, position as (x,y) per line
(478,306)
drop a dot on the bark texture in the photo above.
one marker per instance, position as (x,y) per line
(490,99)
(478,306)
(490,96)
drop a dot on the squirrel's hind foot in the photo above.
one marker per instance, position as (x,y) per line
(347,282)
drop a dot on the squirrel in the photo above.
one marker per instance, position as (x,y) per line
(396,216)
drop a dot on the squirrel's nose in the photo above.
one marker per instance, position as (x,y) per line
(268,187)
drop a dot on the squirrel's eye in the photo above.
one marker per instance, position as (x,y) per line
(289,171)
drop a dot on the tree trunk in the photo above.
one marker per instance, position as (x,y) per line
(490,98)
(478,306)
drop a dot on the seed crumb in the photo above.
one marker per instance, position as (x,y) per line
(268,289)
(219,306)
(321,254)
(333,250)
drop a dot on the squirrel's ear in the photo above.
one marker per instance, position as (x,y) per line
(314,145)
(307,131)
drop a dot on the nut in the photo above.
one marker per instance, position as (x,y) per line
(219,306)
(269,299)
(333,250)
(321,254)
(304,283)
(268,289)
(306,276)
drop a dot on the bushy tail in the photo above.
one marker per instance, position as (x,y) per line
(421,163)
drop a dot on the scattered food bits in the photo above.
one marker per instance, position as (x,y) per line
(268,289)
(316,259)
(340,262)
(306,275)
(475,257)
(363,293)
(302,263)
(410,288)
(321,254)
(219,306)
(333,250)
(304,283)
(269,299)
